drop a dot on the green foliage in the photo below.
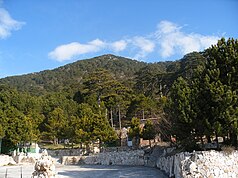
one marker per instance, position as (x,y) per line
(15,119)
(102,91)
(56,124)
(149,131)
(207,103)
(180,109)
(135,129)
(75,101)
(102,130)
(142,107)
(220,87)
(2,131)
(67,78)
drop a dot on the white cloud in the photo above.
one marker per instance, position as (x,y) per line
(169,39)
(118,46)
(97,44)
(145,46)
(8,24)
(167,27)
(74,49)
(71,50)
(172,40)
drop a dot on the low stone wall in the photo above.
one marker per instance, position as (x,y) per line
(134,158)
(6,160)
(172,165)
(71,160)
(211,164)
(78,151)
(64,152)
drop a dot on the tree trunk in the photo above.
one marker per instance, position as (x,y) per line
(56,141)
(233,139)
(218,147)
(208,139)
(87,148)
(202,142)
(224,139)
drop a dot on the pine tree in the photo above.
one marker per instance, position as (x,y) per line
(221,87)
(149,131)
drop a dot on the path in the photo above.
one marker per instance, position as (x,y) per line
(87,171)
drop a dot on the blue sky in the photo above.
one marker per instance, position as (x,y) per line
(40,35)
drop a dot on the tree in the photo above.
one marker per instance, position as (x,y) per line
(104,92)
(88,127)
(56,125)
(207,104)
(142,107)
(135,130)
(181,112)
(2,132)
(102,130)
(151,80)
(149,131)
(220,85)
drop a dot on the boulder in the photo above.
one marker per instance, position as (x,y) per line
(44,168)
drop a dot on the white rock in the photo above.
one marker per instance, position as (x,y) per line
(44,168)
(193,167)
(216,172)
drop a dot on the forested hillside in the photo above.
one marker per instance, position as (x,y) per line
(123,69)
(191,98)
(73,74)
(82,100)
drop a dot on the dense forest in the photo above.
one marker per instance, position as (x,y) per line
(85,101)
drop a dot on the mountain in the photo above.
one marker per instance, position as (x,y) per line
(72,74)
(124,69)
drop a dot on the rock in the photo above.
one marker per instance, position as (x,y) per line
(216,172)
(211,176)
(44,168)
(193,167)
(6,160)
(212,164)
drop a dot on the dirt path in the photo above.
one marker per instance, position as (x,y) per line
(86,171)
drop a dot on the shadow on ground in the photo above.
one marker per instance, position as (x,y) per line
(101,171)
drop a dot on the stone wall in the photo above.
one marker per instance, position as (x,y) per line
(65,152)
(26,159)
(134,158)
(6,160)
(211,164)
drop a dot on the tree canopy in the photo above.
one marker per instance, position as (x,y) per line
(87,100)
(207,103)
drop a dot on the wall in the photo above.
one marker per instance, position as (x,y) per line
(6,160)
(64,152)
(210,164)
(135,157)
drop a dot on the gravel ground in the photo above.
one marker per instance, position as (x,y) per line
(86,171)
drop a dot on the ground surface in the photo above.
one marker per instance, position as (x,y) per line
(86,171)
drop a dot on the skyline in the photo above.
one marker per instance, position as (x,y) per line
(36,36)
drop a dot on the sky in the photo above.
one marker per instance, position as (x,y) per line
(43,35)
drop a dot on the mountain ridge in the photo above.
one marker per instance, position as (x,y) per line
(123,69)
